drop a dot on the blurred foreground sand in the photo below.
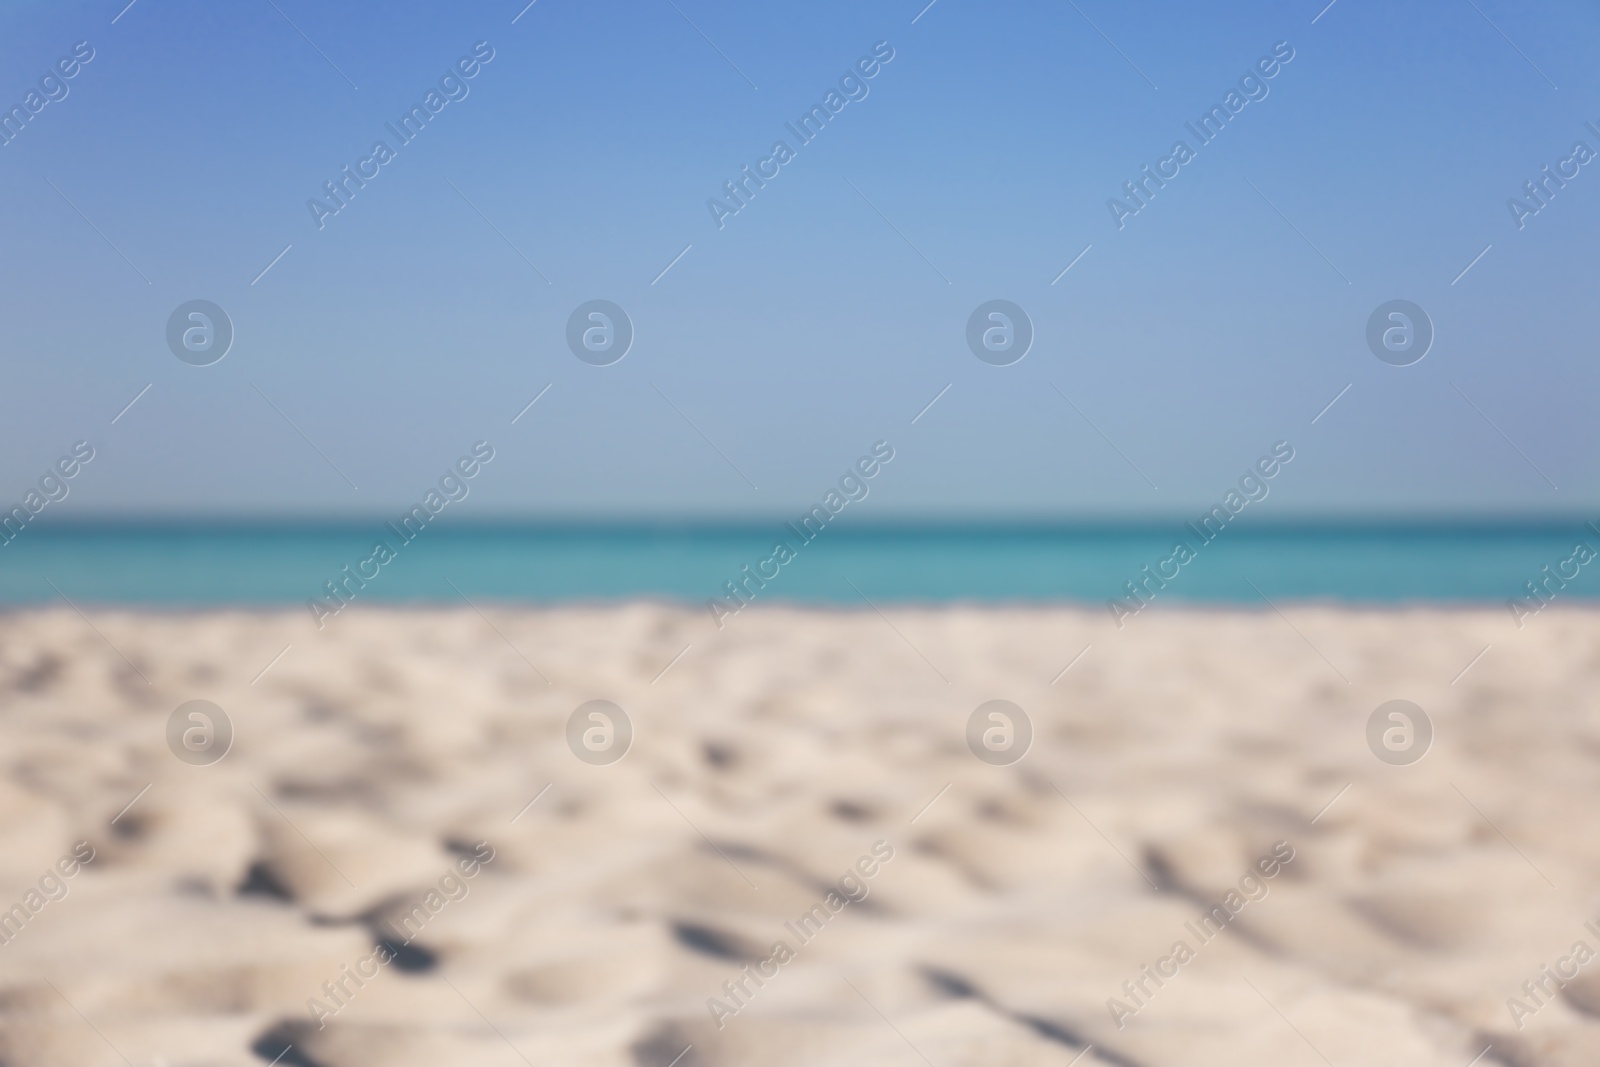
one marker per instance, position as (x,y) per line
(765,763)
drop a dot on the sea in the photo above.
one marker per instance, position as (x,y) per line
(184,565)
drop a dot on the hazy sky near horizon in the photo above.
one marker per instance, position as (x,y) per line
(425,314)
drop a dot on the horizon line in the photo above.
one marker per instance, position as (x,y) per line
(931,522)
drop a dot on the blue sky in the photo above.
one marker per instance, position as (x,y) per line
(825,315)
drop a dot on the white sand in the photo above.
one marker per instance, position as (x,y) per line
(765,762)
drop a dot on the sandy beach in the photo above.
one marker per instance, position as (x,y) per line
(402,860)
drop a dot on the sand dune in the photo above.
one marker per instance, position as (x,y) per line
(378,760)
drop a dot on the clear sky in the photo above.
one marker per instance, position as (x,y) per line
(1220,318)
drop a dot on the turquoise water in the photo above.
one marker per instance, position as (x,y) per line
(175,565)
